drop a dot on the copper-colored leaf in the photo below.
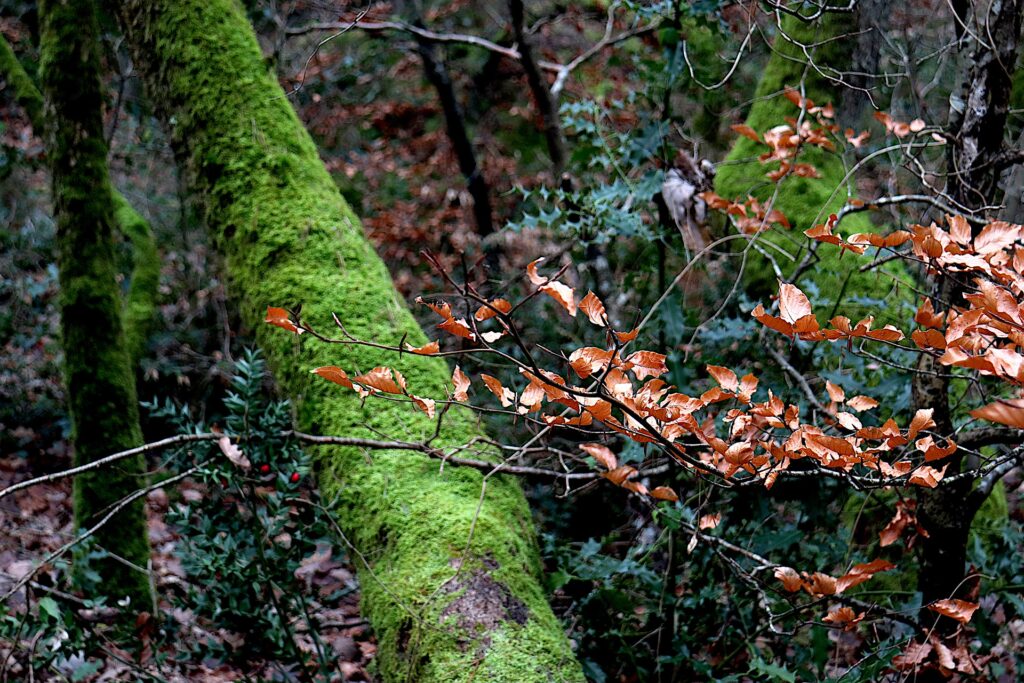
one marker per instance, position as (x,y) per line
(861,403)
(461,382)
(427,349)
(746,131)
(1009,412)
(563,294)
(593,308)
(793,304)
(664,493)
(491,309)
(961,610)
(843,616)
(647,364)
(626,337)
(620,474)
(380,378)
(505,395)
(424,404)
(280,318)
(725,377)
(835,392)
(334,374)
(602,454)
(710,521)
(791,581)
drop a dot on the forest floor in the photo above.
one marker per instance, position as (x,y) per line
(37,521)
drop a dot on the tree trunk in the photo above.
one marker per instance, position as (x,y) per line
(455,122)
(546,104)
(98,371)
(978,127)
(443,609)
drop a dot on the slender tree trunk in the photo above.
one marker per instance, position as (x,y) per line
(455,122)
(977,127)
(546,105)
(98,372)
(453,591)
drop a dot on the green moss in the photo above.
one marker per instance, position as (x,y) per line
(25,91)
(290,239)
(100,382)
(804,201)
(140,302)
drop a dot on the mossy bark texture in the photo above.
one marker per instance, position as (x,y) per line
(18,80)
(804,201)
(98,372)
(140,302)
(444,609)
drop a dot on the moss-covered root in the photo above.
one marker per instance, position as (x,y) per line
(20,83)
(802,200)
(100,382)
(140,304)
(443,610)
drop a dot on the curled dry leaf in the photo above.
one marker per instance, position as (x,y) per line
(626,337)
(793,303)
(593,308)
(862,403)
(461,382)
(602,454)
(843,616)
(791,581)
(280,318)
(383,379)
(563,294)
(424,404)
(492,308)
(619,475)
(835,392)
(233,453)
(504,394)
(333,373)
(426,350)
(961,610)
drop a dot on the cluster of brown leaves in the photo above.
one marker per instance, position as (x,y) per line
(983,333)
(626,394)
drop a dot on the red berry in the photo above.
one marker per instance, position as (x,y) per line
(264,468)
(295,477)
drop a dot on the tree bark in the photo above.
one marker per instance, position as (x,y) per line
(98,370)
(455,122)
(546,105)
(977,128)
(443,608)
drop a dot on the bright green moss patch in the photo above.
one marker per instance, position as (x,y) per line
(140,302)
(290,240)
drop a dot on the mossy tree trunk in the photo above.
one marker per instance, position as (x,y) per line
(443,609)
(98,371)
(804,201)
(975,160)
